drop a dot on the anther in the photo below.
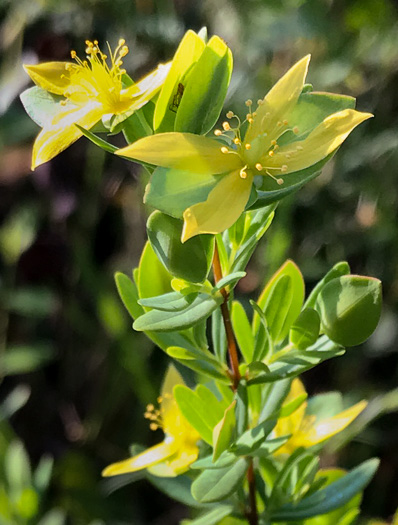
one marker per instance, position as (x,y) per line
(299,148)
(159,399)
(284,168)
(254,114)
(230,114)
(259,166)
(250,120)
(271,153)
(279,124)
(63,102)
(273,142)
(224,149)
(248,146)
(150,407)
(236,141)
(248,102)
(121,42)
(243,173)
(217,132)
(285,122)
(279,181)
(153,426)
(249,116)
(295,130)
(226,126)
(73,54)
(260,101)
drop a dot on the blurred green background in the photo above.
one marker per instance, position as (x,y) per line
(75,379)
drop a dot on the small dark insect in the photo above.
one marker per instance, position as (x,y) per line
(177,98)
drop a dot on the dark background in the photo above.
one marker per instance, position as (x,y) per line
(68,226)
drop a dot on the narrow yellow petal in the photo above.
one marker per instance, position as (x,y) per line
(170,413)
(146,459)
(223,207)
(144,90)
(328,427)
(180,463)
(51,76)
(183,151)
(278,102)
(325,138)
(54,139)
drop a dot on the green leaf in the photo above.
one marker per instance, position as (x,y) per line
(173,191)
(290,269)
(275,396)
(205,89)
(17,466)
(194,411)
(42,473)
(338,270)
(153,279)
(270,446)
(218,335)
(325,405)
(218,484)
(242,331)
(190,261)
(214,516)
(305,329)
(225,460)
(292,406)
(201,362)
(128,293)
(278,305)
(229,280)
(168,302)
(197,311)
(223,431)
(331,497)
(53,517)
(350,308)
(253,438)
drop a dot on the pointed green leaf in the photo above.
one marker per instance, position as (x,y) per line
(242,331)
(161,321)
(214,516)
(223,431)
(253,438)
(168,302)
(278,305)
(194,411)
(218,484)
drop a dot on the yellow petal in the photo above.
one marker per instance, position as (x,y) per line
(170,412)
(325,138)
(146,459)
(223,207)
(279,101)
(146,88)
(51,76)
(54,139)
(183,151)
(180,463)
(291,424)
(328,427)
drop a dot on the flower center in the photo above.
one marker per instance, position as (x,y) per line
(95,79)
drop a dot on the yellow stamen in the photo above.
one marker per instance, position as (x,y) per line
(230,114)
(224,149)
(217,132)
(226,126)
(259,166)
(248,146)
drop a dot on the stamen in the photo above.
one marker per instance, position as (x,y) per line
(248,102)
(217,132)
(237,141)
(284,168)
(285,122)
(248,146)
(226,126)
(273,142)
(230,114)
(243,173)
(224,149)
(295,130)
(260,101)
(153,426)
(271,153)
(299,148)
(259,167)
(73,54)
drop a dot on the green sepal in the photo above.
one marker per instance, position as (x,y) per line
(350,308)
(173,191)
(190,260)
(205,89)
(218,484)
(42,106)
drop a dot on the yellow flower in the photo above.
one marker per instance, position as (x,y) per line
(260,152)
(305,429)
(92,89)
(179,448)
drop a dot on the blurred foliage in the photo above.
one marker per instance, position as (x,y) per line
(64,230)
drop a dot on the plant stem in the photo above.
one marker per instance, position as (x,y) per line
(252,514)
(231,345)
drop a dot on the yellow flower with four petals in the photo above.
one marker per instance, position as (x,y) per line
(260,152)
(179,448)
